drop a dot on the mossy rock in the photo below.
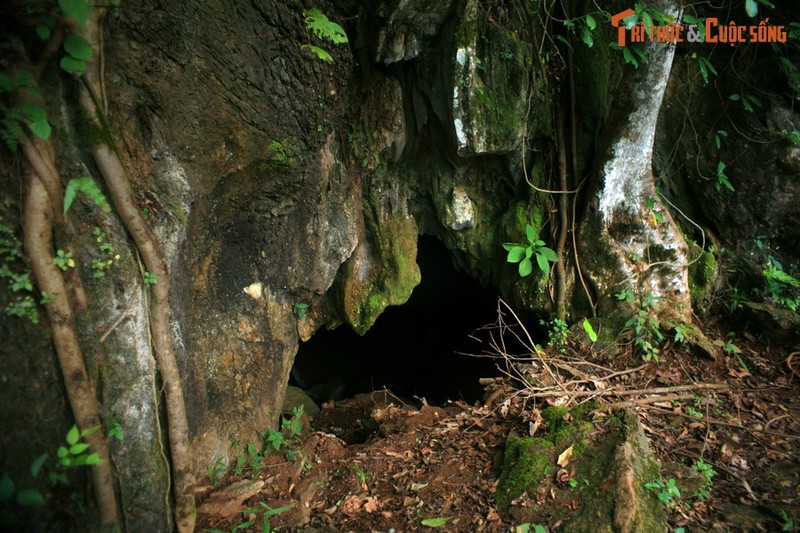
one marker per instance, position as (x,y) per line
(378,276)
(702,275)
(616,468)
(526,462)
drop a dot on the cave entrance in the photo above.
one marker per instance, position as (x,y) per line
(412,349)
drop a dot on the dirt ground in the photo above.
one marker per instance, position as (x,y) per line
(377,464)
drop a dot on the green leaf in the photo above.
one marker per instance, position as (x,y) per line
(30,498)
(78,47)
(586,36)
(90,430)
(590,22)
(563,40)
(516,254)
(547,253)
(751,6)
(62,452)
(43,32)
(93,459)
(37,463)
(77,9)
(321,53)
(76,67)
(525,267)
(530,233)
(648,22)
(436,522)
(587,327)
(87,186)
(6,488)
(77,449)
(323,27)
(544,265)
(73,435)
(37,120)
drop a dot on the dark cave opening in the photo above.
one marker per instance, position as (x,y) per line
(415,350)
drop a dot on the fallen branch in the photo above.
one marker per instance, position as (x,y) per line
(725,424)
(616,392)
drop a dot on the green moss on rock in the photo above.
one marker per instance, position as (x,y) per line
(702,274)
(526,462)
(379,276)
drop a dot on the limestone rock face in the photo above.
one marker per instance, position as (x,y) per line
(409,26)
(491,78)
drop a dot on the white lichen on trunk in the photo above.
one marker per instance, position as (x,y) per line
(651,255)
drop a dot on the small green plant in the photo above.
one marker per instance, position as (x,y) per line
(788,523)
(149,279)
(115,427)
(681,333)
(722,178)
(321,26)
(266,513)
(529,528)
(667,492)
(14,115)
(88,187)
(294,424)
(781,286)
(64,260)
(708,472)
(558,334)
(587,327)
(694,413)
(748,101)
(10,495)
(586,25)
(718,138)
(108,255)
(299,310)
(656,215)
(362,475)
(75,451)
(523,253)
(216,471)
(704,65)
(644,325)
(14,271)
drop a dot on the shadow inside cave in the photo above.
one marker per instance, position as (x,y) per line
(414,350)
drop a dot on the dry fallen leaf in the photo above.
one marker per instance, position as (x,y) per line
(351,504)
(566,455)
(371,504)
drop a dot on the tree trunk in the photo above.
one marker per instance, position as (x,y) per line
(631,243)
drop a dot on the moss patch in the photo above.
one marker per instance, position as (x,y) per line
(526,462)
(702,274)
(381,275)
(282,153)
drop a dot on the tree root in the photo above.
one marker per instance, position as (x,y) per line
(119,187)
(38,232)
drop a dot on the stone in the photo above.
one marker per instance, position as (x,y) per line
(229,501)
(461,207)
(295,396)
